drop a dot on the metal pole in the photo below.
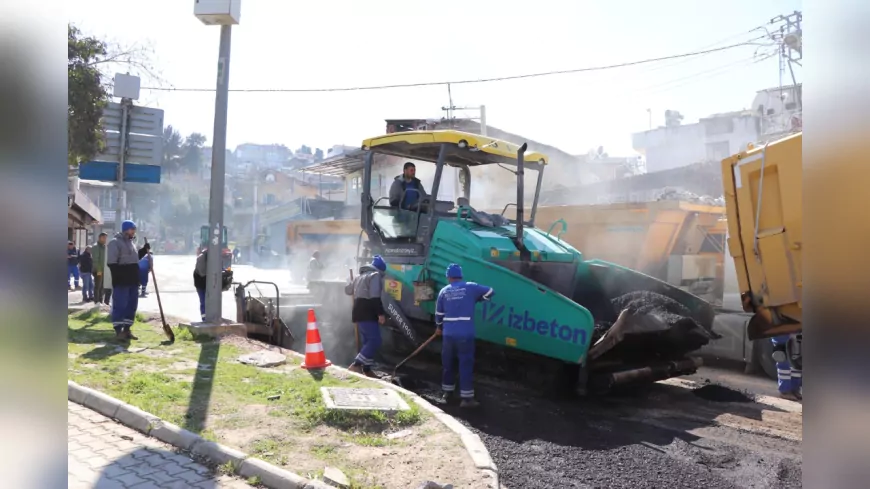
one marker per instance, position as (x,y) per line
(122,158)
(216,199)
(483,120)
(254,216)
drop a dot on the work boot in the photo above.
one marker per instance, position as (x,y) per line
(469,403)
(791,396)
(446,397)
(356,369)
(130,335)
(120,336)
(369,373)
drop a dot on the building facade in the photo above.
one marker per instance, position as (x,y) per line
(710,139)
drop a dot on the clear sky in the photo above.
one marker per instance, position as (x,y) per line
(337,43)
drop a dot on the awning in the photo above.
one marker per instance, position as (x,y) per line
(82,209)
(339,165)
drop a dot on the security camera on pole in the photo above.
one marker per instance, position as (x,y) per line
(224,13)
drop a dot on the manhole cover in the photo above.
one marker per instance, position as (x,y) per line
(349,398)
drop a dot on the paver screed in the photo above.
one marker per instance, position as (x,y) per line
(105,454)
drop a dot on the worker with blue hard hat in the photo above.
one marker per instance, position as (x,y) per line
(454,321)
(122,258)
(368,312)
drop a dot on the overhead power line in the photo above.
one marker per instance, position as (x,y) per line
(468,81)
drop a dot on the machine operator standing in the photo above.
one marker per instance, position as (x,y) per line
(368,312)
(454,320)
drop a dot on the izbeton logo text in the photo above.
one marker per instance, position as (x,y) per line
(521,320)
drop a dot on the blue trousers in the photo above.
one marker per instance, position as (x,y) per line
(370,335)
(201,294)
(87,286)
(143,278)
(788,378)
(125,300)
(452,347)
(72,271)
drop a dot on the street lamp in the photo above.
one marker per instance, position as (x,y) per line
(224,13)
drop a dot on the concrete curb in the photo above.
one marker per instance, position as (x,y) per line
(150,425)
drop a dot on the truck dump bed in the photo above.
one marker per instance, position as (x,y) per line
(681,243)
(763,197)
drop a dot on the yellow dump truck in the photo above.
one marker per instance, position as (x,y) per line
(764,202)
(336,240)
(681,243)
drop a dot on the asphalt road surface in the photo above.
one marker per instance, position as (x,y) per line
(175,281)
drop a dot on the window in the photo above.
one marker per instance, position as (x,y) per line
(790,106)
(355,183)
(394,222)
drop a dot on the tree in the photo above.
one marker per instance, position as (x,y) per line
(90,64)
(172,149)
(191,159)
(86,96)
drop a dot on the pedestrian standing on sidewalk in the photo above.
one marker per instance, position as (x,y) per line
(98,253)
(72,265)
(454,321)
(199,274)
(123,261)
(86,267)
(145,264)
(368,312)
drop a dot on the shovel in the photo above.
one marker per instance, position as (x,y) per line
(394,379)
(166,328)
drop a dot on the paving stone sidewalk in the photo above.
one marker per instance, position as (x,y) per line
(105,454)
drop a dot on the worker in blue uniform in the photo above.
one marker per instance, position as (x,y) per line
(454,321)
(368,312)
(789,379)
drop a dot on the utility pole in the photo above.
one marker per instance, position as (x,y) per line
(121,211)
(450,110)
(254,216)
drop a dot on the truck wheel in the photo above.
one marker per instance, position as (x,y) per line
(764,356)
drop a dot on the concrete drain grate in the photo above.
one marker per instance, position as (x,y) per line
(352,398)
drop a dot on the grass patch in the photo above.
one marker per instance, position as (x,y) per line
(322,451)
(369,440)
(226,468)
(148,374)
(270,450)
(198,384)
(254,481)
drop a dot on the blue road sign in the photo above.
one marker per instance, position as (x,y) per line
(107,171)
(142,173)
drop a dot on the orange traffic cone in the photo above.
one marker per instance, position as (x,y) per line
(315,358)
